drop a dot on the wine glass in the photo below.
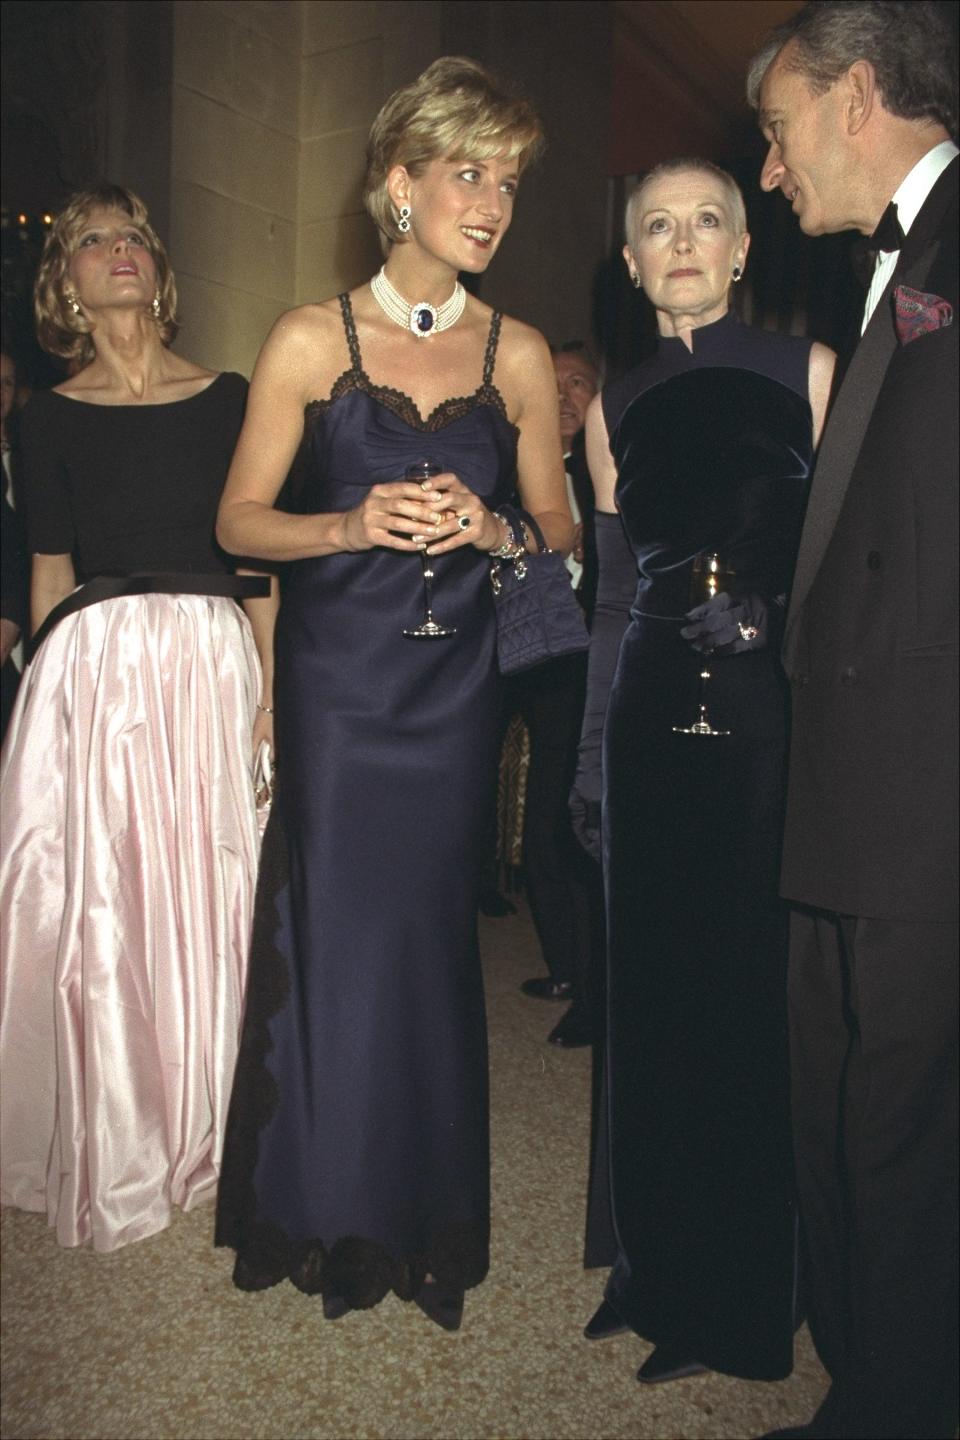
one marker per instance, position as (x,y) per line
(708,577)
(430,629)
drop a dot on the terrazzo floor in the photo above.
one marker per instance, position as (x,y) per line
(154,1343)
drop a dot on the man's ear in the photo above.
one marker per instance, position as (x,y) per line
(860,95)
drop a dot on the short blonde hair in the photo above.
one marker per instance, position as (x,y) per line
(738,210)
(456,110)
(59,330)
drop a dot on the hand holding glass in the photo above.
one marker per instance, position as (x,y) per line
(429,629)
(708,577)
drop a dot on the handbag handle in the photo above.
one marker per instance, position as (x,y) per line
(517,519)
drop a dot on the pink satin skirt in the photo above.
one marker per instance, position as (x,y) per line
(127,873)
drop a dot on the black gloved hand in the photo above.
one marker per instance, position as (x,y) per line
(585,821)
(727,624)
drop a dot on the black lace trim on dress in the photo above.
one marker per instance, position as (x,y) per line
(356,378)
(353,1270)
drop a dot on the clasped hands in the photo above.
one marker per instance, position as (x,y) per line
(431,515)
(727,624)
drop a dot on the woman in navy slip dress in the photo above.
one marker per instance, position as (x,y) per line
(705,448)
(357,1149)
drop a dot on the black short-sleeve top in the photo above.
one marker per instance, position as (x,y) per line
(128,489)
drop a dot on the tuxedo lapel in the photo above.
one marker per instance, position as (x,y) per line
(840,447)
(855,400)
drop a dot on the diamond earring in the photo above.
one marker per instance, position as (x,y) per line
(403,224)
(73,302)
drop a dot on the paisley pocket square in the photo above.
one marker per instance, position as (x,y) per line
(917,313)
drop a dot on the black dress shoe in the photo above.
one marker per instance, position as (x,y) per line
(491,902)
(444,1307)
(572,1031)
(542,987)
(668,1362)
(792,1432)
(604,1323)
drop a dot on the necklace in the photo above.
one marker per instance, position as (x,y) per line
(421,319)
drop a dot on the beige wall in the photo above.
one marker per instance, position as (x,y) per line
(271,104)
(354,56)
(233,173)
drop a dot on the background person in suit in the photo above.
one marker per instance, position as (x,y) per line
(563,884)
(858,103)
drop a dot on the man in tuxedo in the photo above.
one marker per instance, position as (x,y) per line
(858,102)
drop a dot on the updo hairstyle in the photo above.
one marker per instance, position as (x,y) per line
(59,330)
(456,110)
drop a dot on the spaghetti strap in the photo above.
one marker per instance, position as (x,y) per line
(490,354)
(346,310)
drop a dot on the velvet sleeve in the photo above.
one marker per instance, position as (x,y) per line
(616,587)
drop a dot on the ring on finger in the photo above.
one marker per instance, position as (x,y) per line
(464,522)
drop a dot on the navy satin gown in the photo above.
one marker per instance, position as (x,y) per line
(713,451)
(357,1153)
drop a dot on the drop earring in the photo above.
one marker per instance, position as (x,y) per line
(737,273)
(635,280)
(403,224)
(155,307)
(73,302)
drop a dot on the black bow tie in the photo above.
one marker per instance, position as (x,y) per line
(889,232)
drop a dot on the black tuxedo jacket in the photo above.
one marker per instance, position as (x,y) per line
(871,635)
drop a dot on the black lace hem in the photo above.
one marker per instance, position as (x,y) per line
(404,407)
(357,1271)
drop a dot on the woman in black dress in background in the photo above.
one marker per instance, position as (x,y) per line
(704,449)
(357,1152)
(129,840)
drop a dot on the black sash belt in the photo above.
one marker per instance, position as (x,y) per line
(113,587)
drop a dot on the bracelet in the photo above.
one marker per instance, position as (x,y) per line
(510,549)
(266,709)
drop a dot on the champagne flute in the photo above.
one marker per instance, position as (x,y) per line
(429,629)
(708,577)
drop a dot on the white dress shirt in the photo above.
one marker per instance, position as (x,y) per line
(909,197)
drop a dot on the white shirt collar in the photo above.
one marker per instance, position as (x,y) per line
(916,186)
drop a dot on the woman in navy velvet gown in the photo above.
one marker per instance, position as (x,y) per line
(705,448)
(357,1150)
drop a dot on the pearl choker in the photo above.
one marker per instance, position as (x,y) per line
(421,319)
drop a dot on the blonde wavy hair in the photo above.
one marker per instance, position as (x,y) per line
(456,110)
(59,330)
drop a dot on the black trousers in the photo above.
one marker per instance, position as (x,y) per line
(563,884)
(873,1033)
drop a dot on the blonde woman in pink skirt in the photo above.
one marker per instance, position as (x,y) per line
(129,834)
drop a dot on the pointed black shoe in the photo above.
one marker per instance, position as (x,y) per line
(668,1362)
(335,1307)
(444,1307)
(571,1032)
(543,987)
(604,1323)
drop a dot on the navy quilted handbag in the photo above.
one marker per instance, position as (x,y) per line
(538,617)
